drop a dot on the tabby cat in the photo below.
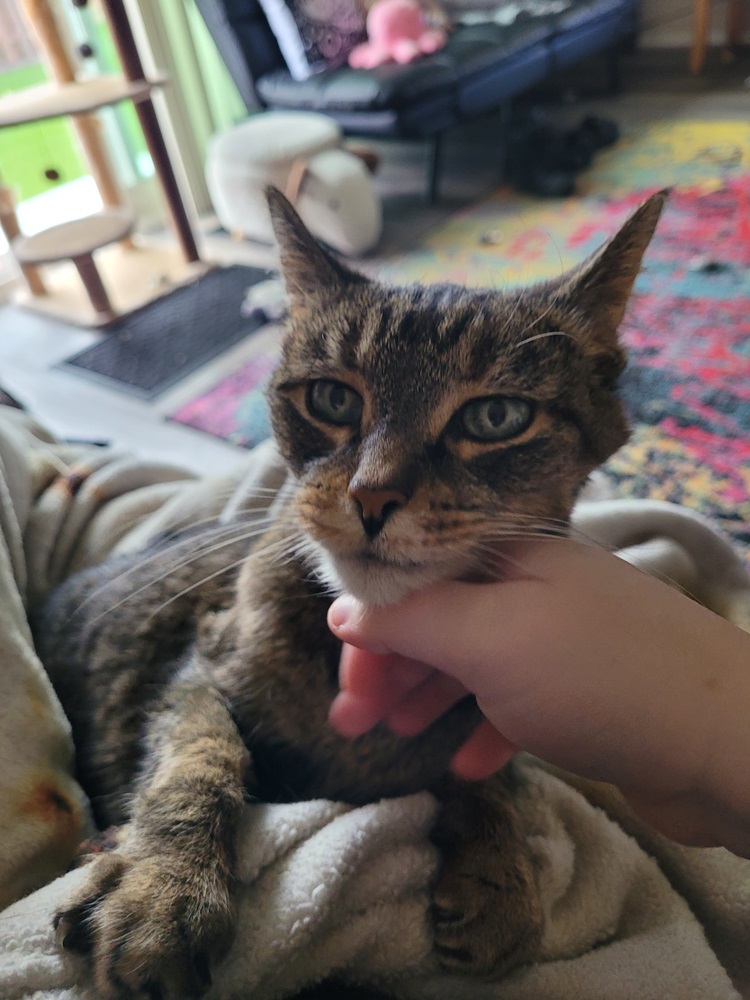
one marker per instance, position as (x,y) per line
(421,425)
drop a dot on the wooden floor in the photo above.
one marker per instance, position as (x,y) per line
(656,85)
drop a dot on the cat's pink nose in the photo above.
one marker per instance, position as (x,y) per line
(376,506)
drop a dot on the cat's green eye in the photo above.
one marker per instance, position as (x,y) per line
(334,402)
(496,418)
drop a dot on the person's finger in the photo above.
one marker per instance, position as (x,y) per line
(344,615)
(351,716)
(370,686)
(454,626)
(382,679)
(484,753)
(424,704)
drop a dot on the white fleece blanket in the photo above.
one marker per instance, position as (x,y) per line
(326,889)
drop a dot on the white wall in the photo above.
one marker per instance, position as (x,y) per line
(670,22)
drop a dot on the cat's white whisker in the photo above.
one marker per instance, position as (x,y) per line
(576,534)
(553,302)
(242,536)
(665,578)
(208,536)
(556,245)
(488,562)
(514,310)
(194,586)
(530,529)
(543,336)
(515,515)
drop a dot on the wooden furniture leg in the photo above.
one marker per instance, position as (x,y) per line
(92,282)
(735,22)
(9,225)
(701,25)
(122,33)
(78,240)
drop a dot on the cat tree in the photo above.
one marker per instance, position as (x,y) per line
(130,283)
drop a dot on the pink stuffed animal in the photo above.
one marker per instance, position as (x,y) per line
(397,31)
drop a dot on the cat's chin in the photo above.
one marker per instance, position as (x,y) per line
(372,580)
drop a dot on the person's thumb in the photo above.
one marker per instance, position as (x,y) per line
(452,626)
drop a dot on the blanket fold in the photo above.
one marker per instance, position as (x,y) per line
(328,890)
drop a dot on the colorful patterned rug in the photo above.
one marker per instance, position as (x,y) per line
(687,386)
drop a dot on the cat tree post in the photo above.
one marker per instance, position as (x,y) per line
(11,229)
(87,127)
(122,33)
(134,276)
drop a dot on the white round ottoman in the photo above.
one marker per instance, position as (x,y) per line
(301,154)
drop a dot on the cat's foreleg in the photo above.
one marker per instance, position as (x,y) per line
(487,915)
(152,915)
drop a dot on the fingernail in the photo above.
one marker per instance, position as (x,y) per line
(341,611)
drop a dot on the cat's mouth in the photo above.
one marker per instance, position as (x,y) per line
(379,579)
(370,558)
(373,577)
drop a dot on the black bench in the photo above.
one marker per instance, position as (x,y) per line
(482,68)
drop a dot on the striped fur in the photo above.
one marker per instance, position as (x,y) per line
(202,670)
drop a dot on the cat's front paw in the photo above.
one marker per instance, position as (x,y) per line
(147,927)
(486,912)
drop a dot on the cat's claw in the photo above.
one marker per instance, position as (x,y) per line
(486,914)
(145,927)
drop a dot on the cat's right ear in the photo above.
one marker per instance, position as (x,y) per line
(309,271)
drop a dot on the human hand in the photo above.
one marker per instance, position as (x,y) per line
(408,695)
(576,657)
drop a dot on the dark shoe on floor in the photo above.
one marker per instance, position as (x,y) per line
(553,150)
(545,182)
(573,153)
(599,132)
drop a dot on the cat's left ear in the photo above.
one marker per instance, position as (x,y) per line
(309,271)
(601,286)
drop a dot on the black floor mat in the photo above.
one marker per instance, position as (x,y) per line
(153,348)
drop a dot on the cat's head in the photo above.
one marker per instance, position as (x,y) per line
(425,424)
